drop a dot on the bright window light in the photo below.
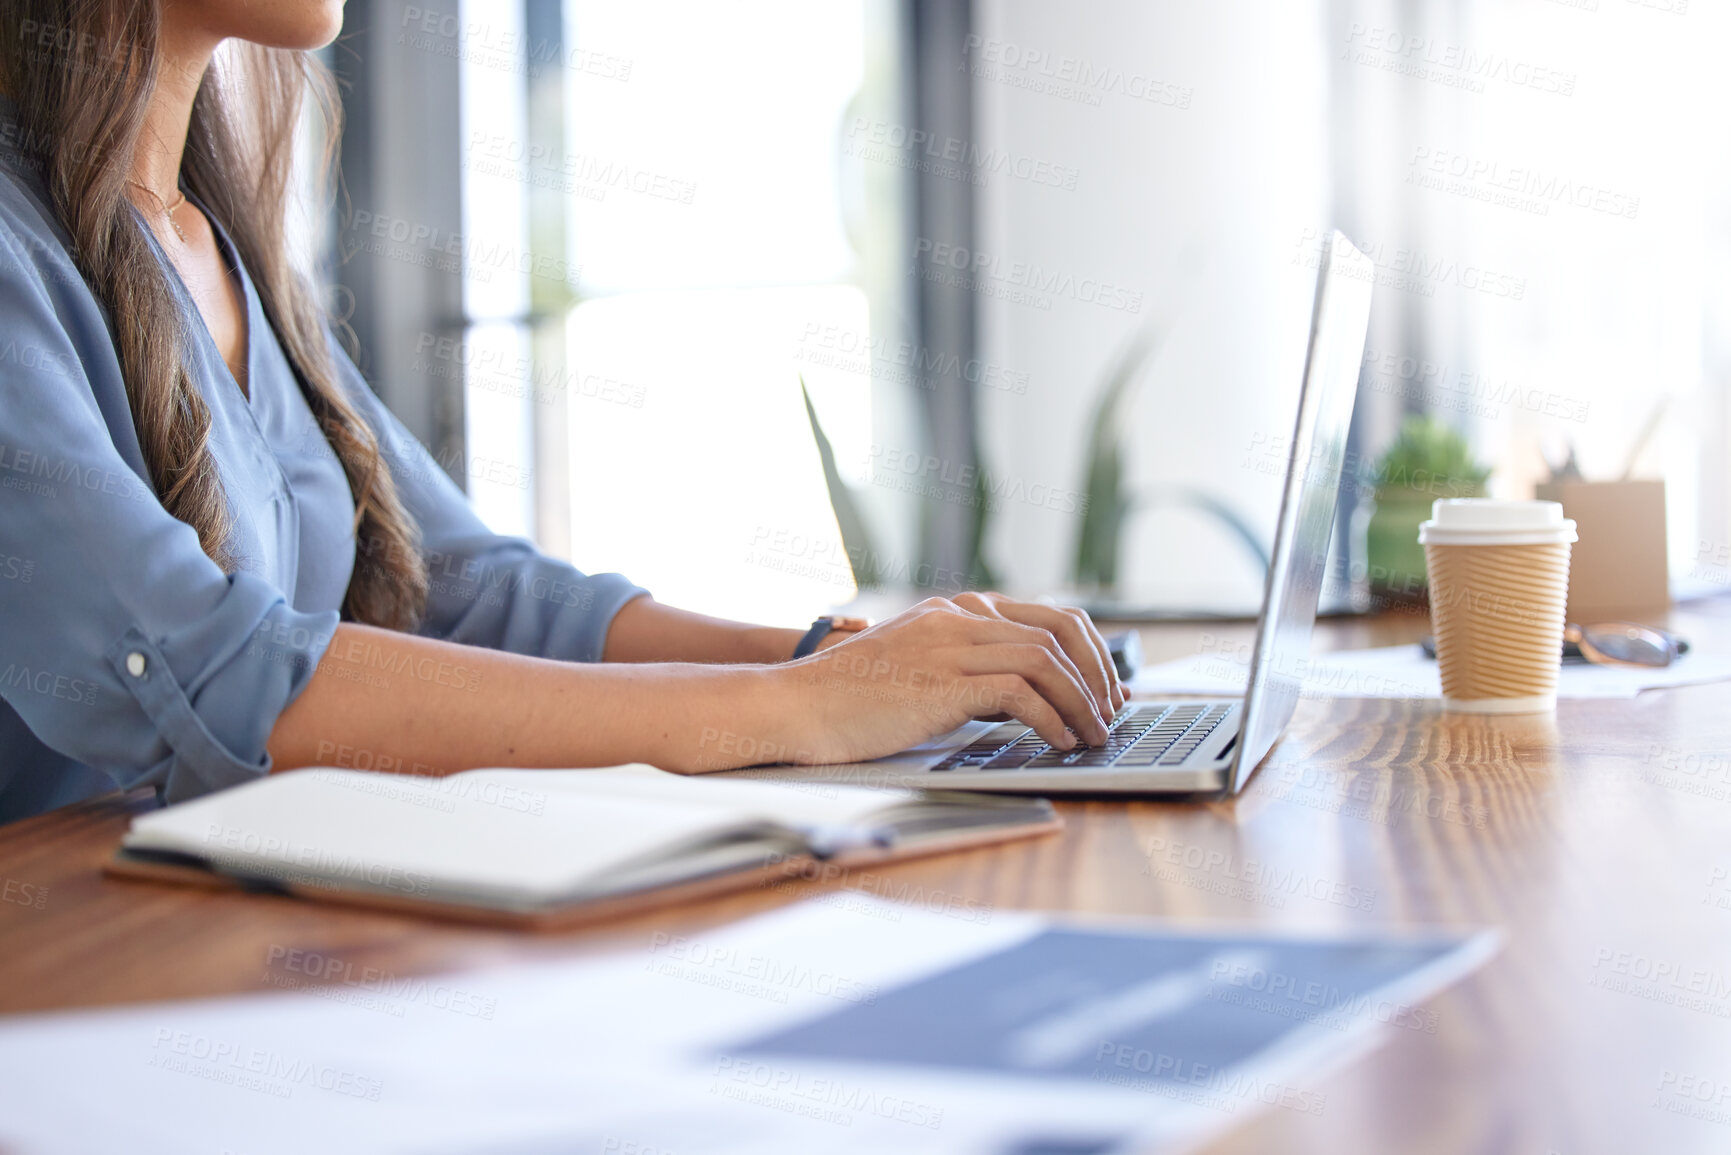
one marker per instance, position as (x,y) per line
(693,467)
(696,164)
(716,162)
(497,407)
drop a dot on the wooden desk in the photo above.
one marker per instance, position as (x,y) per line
(1600,841)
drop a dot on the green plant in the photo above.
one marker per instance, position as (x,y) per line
(856,537)
(981,575)
(1427,460)
(1429,456)
(1108,501)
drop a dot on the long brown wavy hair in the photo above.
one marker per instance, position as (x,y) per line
(81,73)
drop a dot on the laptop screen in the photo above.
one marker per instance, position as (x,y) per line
(1296,569)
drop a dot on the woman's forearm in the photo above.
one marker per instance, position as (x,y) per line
(644,630)
(383,700)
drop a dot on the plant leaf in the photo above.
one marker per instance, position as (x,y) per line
(1108,505)
(856,538)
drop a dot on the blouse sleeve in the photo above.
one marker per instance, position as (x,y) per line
(487,589)
(122,645)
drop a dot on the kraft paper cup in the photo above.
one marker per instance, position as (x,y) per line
(1499,582)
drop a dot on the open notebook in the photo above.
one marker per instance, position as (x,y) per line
(544,847)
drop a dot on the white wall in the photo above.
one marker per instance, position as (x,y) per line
(1199,198)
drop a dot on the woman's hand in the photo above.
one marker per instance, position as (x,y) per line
(946,661)
(1073,629)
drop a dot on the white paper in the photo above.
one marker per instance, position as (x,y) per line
(1404,672)
(621,1053)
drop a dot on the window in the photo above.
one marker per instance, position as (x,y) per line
(664,235)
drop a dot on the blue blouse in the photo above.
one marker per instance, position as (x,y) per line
(127,657)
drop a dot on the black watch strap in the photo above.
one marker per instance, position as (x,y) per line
(819,631)
(822,628)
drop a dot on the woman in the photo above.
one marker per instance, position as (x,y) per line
(214,553)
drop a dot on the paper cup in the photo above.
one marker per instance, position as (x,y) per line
(1499,582)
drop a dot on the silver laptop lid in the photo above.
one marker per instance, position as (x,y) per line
(1338,325)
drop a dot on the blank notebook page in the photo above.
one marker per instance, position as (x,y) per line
(536,833)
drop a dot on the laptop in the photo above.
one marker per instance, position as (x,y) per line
(1190,746)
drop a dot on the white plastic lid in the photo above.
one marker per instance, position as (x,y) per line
(1484,521)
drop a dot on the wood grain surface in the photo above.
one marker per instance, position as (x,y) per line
(1598,841)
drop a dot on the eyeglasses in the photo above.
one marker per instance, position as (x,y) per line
(1611,644)
(1622,644)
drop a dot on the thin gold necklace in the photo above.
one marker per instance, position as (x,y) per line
(167,209)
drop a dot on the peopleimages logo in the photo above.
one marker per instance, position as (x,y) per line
(255,1068)
(324,969)
(1066,77)
(1660,979)
(1259,875)
(816,1097)
(729,968)
(1464,389)
(1451,65)
(904,362)
(250,853)
(575,173)
(513,49)
(44,476)
(966,159)
(1225,1088)
(1293,996)
(1020,281)
(24,893)
(49,684)
(1416,271)
(1484,177)
(964,484)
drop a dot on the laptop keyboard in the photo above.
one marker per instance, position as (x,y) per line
(1141,736)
